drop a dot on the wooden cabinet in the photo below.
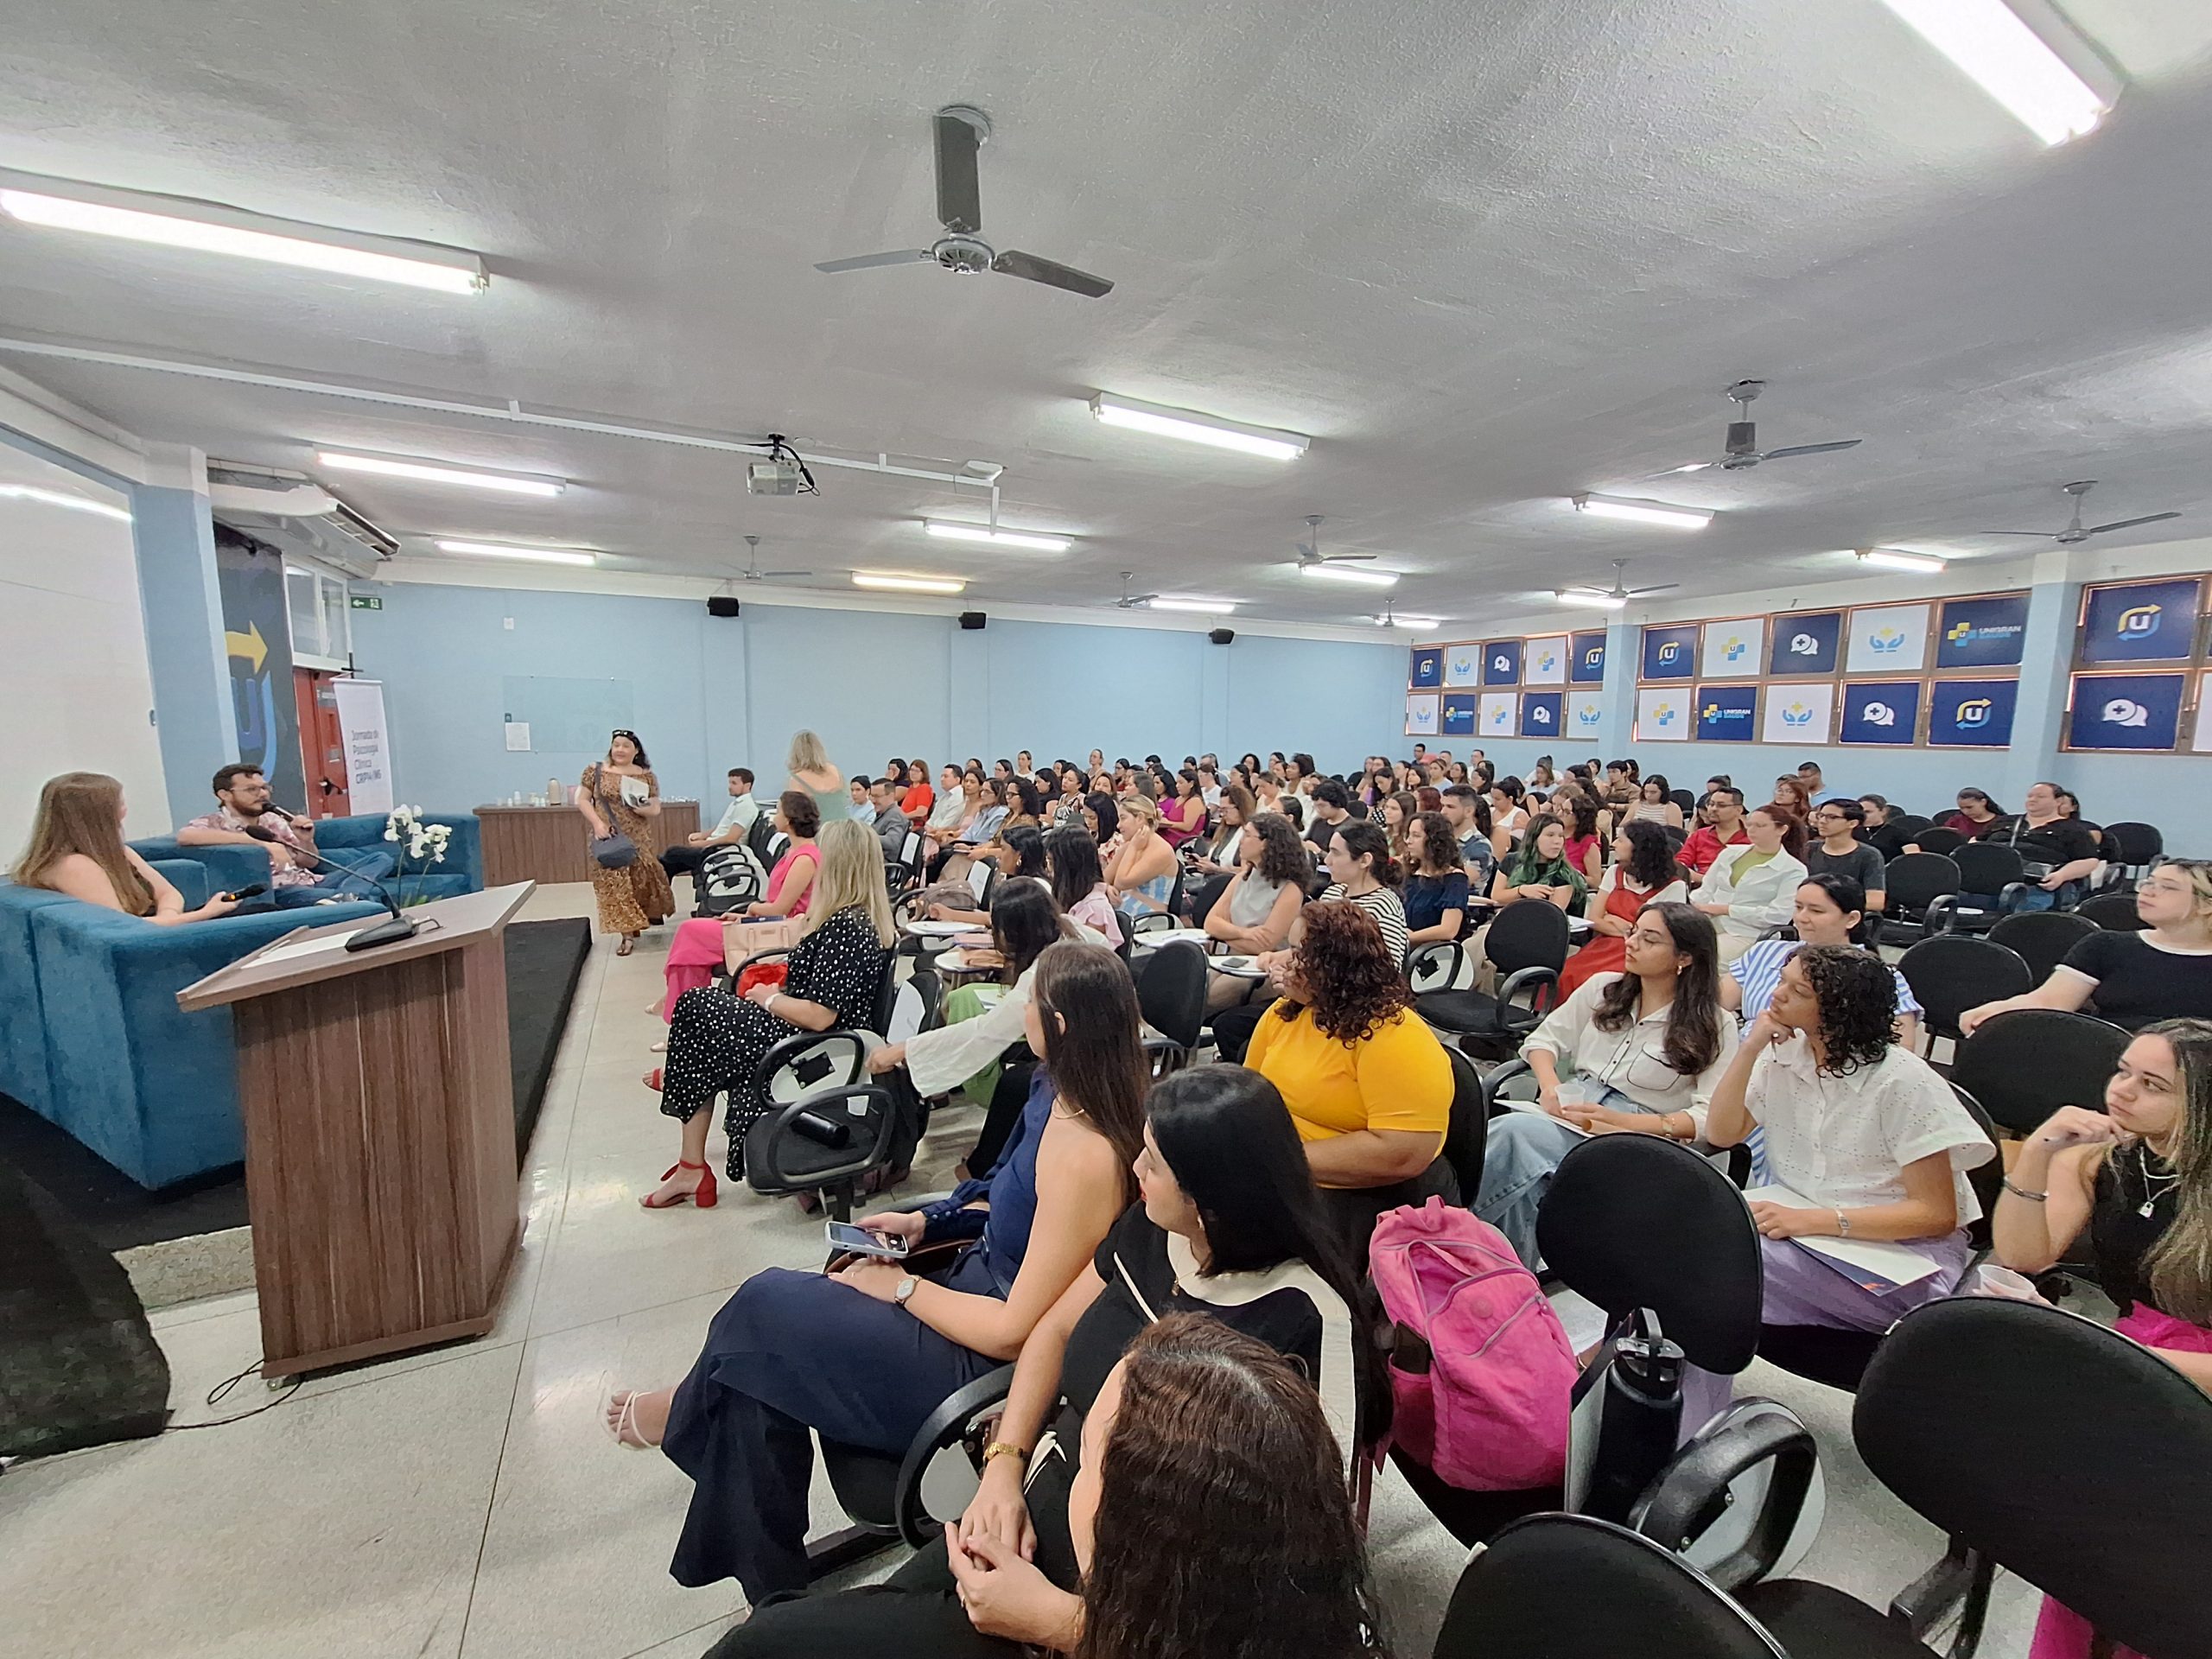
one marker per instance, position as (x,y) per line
(552,843)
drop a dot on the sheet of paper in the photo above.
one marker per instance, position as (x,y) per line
(1875,1264)
(1584,1321)
(634,790)
(518,737)
(298,948)
(1536,1110)
(939,929)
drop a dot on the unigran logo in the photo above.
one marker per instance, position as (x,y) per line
(1670,650)
(2139,622)
(1975,711)
(1593,657)
(2120,711)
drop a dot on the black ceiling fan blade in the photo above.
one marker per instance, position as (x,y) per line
(1340,558)
(1030,269)
(1811,448)
(787,573)
(2042,535)
(869,261)
(959,198)
(2129,524)
(1638,593)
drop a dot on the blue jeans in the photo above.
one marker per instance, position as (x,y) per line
(1524,1150)
(338,881)
(2037,898)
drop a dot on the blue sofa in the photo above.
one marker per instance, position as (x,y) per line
(344,841)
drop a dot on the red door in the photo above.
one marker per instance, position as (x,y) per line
(322,748)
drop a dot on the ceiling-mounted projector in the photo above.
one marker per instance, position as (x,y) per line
(771,478)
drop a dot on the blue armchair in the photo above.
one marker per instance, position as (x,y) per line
(91,1036)
(343,841)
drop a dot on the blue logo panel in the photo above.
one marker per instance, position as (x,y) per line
(1972,714)
(1804,644)
(2126,711)
(1458,714)
(1427,668)
(1670,652)
(1501,663)
(1727,714)
(1985,632)
(1881,711)
(1586,666)
(2140,622)
(1542,713)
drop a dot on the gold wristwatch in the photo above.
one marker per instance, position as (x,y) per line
(1005,1449)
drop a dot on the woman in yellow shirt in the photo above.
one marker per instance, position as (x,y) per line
(1367,1084)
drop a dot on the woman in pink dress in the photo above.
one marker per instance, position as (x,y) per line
(702,943)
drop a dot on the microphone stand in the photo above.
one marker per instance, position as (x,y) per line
(398,927)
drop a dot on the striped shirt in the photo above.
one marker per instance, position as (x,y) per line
(1385,906)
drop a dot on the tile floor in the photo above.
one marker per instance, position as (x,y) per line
(466,1502)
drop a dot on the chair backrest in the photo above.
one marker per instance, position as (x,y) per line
(2108,1516)
(2042,937)
(1916,880)
(1611,1197)
(909,855)
(2113,912)
(1986,867)
(1939,838)
(1466,1136)
(1954,972)
(1910,824)
(1987,1178)
(1677,837)
(1172,991)
(1526,933)
(2133,844)
(980,873)
(1572,1587)
(1684,800)
(2024,1065)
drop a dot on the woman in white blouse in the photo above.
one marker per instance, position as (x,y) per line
(1638,1052)
(1753,886)
(1866,1140)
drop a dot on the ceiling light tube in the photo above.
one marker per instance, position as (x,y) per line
(1411,621)
(1034,540)
(1350,573)
(1183,602)
(1996,49)
(61,498)
(900,581)
(431,472)
(210,227)
(1641,513)
(501,551)
(1890,559)
(1193,427)
(1592,601)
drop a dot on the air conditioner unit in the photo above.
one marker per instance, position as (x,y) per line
(296,516)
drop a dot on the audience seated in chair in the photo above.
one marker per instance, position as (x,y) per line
(1467,810)
(2163,972)
(76,849)
(1636,1052)
(887,818)
(862,1355)
(1644,872)
(1434,894)
(1537,867)
(1722,827)
(298,873)
(1256,912)
(1748,890)
(1826,910)
(735,823)
(705,942)
(1836,849)
(1141,870)
(2060,853)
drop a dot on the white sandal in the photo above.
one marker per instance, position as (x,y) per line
(624,1426)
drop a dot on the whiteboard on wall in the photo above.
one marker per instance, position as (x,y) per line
(567,716)
(73,674)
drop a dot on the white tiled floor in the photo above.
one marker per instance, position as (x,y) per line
(466,1502)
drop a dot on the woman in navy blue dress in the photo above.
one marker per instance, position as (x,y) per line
(864,1354)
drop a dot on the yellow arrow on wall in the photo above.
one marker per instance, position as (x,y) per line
(249,645)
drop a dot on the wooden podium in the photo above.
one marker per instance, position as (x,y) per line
(378,1104)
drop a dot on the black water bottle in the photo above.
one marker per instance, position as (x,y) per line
(1638,1422)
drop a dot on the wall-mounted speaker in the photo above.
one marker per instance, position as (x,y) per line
(1221,636)
(721,605)
(972,620)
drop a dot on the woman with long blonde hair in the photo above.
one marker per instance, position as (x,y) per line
(715,1041)
(813,772)
(77,849)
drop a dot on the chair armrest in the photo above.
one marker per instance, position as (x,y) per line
(1494,1084)
(1941,916)
(1423,956)
(788,1050)
(775,1131)
(1544,979)
(949,1426)
(1961,1580)
(1154,921)
(2009,899)
(1692,1490)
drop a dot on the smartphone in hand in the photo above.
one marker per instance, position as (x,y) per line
(858,1241)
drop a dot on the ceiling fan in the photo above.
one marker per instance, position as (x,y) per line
(1309,550)
(752,572)
(1620,589)
(961,131)
(1129,601)
(1743,446)
(2076,531)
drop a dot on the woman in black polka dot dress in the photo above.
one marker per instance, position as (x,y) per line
(716,1041)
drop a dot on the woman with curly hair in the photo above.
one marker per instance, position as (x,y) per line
(1367,1084)
(1256,912)
(1863,1139)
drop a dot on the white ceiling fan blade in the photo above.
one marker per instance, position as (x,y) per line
(1810,448)
(1638,593)
(2041,535)
(869,261)
(787,573)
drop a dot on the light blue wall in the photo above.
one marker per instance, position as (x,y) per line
(709,693)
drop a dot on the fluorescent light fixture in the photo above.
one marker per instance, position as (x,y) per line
(950,530)
(1592,601)
(901,582)
(1394,621)
(1193,427)
(501,551)
(1999,52)
(1185,602)
(1641,513)
(61,498)
(1350,573)
(431,472)
(1890,559)
(210,227)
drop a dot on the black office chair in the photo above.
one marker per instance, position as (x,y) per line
(1951,973)
(2134,847)
(1467,1137)
(1986,869)
(2042,936)
(1677,836)
(1910,824)
(2113,912)
(1916,882)
(1939,838)
(1171,985)
(1684,800)
(1205,896)
(1527,945)
(2024,1065)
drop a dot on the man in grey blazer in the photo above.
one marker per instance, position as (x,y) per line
(890,823)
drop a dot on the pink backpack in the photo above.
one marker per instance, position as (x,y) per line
(1480,1370)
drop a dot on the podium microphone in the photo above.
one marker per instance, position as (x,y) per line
(399,926)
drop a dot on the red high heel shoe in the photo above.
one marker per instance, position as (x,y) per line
(703,1196)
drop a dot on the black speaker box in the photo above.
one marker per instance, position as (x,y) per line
(721,605)
(1221,636)
(972,620)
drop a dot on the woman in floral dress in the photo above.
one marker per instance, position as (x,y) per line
(637,897)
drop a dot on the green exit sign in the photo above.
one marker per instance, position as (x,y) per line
(366,601)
